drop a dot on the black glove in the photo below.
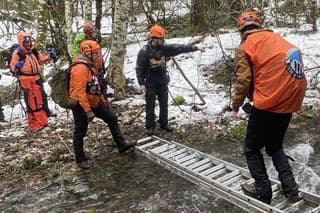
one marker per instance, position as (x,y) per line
(90,116)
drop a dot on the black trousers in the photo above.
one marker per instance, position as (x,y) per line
(267,129)
(81,127)
(44,96)
(161,92)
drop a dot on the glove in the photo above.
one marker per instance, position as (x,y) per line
(19,65)
(53,54)
(90,116)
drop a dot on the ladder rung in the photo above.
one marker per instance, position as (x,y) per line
(276,193)
(295,205)
(178,152)
(282,204)
(231,180)
(186,158)
(163,148)
(317,209)
(180,156)
(203,167)
(148,144)
(190,161)
(217,173)
(163,154)
(144,140)
(275,187)
(228,176)
(213,169)
(200,163)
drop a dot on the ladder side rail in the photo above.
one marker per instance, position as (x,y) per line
(235,193)
(241,203)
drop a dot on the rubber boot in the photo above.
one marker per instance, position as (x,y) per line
(257,169)
(289,186)
(125,146)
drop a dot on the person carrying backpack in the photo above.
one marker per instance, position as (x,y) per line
(152,75)
(90,32)
(86,88)
(25,65)
(269,70)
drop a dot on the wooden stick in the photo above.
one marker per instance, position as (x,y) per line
(312,68)
(64,143)
(136,116)
(189,82)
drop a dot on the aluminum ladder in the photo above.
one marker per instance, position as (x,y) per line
(220,177)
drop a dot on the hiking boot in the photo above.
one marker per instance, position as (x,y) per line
(127,146)
(167,128)
(293,195)
(150,131)
(250,190)
(85,164)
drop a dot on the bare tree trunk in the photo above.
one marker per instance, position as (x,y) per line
(314,15)
(42,25)
(115,75)
(198,19)
(87,11)
(99,14)
(68,6)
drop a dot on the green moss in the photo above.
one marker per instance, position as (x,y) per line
(178,100)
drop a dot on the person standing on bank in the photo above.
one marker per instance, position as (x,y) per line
(152,75)
(85,87)
(269,70)
(26,64)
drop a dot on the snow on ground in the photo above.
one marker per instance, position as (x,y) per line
(216,96)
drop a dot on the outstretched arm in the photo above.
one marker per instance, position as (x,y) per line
(169,50)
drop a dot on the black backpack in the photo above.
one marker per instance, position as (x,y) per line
(60,87)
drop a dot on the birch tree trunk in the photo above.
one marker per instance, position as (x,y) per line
(68,7)
(42,25)
(115,75)
(87,11)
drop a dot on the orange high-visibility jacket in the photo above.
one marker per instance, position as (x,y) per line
(31,64)
(79,77)
(262,69)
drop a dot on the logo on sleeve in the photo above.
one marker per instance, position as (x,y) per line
(294,63)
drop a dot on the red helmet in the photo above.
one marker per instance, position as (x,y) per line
(89,28)
(157,31)
(247,19)
(88,47)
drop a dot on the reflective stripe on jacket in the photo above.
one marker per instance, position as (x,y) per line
(261,66)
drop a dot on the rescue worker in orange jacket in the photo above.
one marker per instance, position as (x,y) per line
(25,64)
(85,86)
(269,70)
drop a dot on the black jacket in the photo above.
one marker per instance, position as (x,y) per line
(151,62)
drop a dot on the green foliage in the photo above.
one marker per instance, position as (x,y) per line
(178,100)
(239,131)
(31,162)
(235,134)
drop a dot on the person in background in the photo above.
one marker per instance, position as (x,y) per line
(86,87)
(269,70)
(25,65)
(153,77)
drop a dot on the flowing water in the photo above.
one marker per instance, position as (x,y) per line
(131,183)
